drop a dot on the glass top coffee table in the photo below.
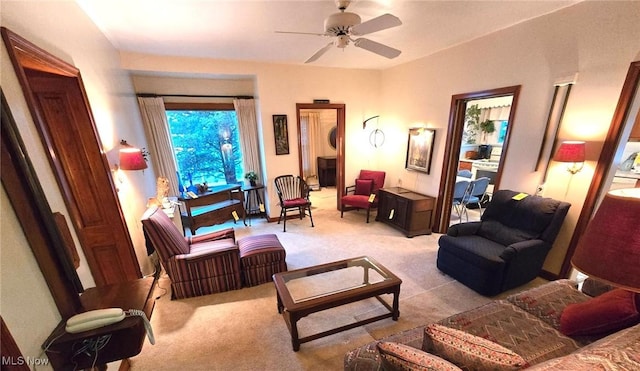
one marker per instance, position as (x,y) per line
(308,290)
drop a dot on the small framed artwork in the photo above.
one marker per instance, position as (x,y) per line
(281,134)
(420,149)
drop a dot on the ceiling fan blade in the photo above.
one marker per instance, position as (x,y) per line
(303,33)
(319,53)
(376,24)
(376,47)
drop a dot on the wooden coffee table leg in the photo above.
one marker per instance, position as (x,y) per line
(279,304)
(292,323)
(396,304)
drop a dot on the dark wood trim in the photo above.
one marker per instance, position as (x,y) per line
(611,143)
(190,106)
(340,143)
(11,354)
(32,209)
(454,141)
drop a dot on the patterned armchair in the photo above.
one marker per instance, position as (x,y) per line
(357,196)
(198,265)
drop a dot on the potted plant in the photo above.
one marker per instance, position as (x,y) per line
(487,127)
(252,177)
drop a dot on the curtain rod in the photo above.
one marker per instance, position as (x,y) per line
(152,95)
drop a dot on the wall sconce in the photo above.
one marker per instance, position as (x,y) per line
(130,157)
(376,138)
(572,152)
(364,123)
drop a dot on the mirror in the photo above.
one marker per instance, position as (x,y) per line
(321,147)
(488,148)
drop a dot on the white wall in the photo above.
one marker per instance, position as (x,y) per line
(63,29)
(598,40)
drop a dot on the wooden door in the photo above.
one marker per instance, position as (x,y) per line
(84,178)
(58,104)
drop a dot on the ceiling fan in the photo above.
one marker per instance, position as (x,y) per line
(344,25)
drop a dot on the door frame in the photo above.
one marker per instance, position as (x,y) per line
(340,155)
(452,148)
(117,261)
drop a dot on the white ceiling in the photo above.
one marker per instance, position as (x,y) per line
(245,30)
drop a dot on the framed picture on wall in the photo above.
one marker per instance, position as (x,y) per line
(420,149)
(281,134)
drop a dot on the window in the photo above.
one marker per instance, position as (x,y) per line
(206,143)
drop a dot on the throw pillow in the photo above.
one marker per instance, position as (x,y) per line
(396,356)
(470,352)
(364,186)
(611,311)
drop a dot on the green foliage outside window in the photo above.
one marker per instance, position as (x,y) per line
(207,146)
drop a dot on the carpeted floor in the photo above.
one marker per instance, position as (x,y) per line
(242,330)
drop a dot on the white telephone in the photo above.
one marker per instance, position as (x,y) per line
(103,317)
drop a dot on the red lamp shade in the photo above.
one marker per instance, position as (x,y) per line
(610,248)
(131,158)
(572,151)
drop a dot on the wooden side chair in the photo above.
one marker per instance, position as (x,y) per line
(293,193)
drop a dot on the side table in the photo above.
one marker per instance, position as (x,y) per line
(253,203)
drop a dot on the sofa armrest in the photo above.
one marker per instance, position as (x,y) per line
(207,254)
(463,229)
(526,248)
(213,236)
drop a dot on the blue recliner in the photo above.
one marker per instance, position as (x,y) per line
(507,247)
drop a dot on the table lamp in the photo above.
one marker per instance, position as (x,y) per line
(609,250)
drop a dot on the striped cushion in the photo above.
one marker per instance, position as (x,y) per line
(470,352)
(260,258)
(395,356)
(166,237)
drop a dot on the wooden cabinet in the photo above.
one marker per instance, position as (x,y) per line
(327,171)
(406,210)
(214,207)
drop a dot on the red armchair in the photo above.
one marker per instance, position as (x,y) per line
(367,184)
(198,265)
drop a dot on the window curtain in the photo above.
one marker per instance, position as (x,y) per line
(156,127)
(309,132)
(500,113)
(249,143)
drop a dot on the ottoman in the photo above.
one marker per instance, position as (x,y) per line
(260,257)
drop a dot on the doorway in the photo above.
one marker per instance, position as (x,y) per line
(328,162)
(457,130)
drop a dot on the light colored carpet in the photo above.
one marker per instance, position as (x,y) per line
(242,330)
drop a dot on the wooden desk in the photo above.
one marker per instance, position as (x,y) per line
(327,171)
(120,340)
(215,206)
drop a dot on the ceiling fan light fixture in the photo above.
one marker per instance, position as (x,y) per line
(342,41)
(340,23)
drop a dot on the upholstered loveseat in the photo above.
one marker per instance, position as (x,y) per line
(525,330)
